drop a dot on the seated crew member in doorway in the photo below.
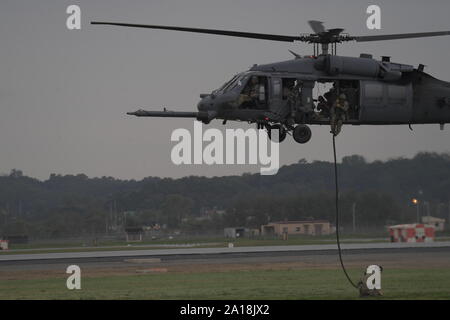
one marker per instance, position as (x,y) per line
(338,113)
(292,97)
(305,104)
(351,94)
(331,96)
(323,107)
(287,88)
(249,96)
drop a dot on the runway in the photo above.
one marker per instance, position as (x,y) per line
(388,252)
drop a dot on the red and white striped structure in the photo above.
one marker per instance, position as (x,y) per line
(414,232)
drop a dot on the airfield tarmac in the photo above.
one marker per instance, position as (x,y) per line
(388,255)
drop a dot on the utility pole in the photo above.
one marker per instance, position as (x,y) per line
(111,213)
(428,207)
(418,213)
(7,212)
(115,214)
(438,210)
(354,216)
(416,203)
(19,209)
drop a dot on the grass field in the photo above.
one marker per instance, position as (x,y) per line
(256,284)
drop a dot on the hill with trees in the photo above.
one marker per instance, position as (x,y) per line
(76,205)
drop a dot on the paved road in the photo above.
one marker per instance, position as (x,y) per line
(204,252)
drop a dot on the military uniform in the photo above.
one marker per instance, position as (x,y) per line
(352,98)
(338,114)
(250,95)
(323,107)
(298,108)
(331,97)
(293,98)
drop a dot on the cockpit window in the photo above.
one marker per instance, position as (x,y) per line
(226,84)
(237,81)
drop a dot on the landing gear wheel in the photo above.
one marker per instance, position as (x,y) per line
(302,133)
(281,132)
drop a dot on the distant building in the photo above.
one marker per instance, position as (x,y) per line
(438,223)
(414,232)
(235,232)
(309,227)
(134,234)
(254,232)
(3,244)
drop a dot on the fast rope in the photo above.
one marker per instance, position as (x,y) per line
(337,213)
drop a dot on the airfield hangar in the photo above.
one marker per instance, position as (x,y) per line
(311,227)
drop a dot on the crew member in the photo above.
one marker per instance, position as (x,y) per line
(331,96)
(338,113)
(323,107)
(249,96)
(351,94)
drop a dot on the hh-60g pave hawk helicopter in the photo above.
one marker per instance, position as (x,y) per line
(279,96)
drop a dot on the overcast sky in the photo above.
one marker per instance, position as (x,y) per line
(64,94)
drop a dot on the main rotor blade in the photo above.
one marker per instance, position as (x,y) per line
(401,36)
(263,36)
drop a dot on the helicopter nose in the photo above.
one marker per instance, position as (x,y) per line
(204,104)
(201,106)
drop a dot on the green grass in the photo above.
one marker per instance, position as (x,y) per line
(256,284)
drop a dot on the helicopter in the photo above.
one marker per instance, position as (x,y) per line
(279,95)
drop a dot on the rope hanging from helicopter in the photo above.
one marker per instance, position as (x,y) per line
(337,213)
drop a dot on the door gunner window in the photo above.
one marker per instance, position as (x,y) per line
(255,93)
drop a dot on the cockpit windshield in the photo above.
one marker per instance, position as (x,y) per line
(237,81)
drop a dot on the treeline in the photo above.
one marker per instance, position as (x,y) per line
(379,193)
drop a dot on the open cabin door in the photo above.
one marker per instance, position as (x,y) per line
(291,97)
(327,94)
(278,101)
